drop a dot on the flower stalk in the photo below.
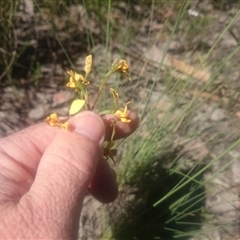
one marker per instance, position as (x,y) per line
(79,84)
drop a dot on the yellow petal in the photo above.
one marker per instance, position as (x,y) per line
(78,77)
(126,107)
(123,66)
(76,106)
(53,120)
(122,115)
(85,82)
(118,113)
(71,73)
(120,66)
(115,94)
(71,83)
(125,120)
(88,64)
(65,125)
(81,78)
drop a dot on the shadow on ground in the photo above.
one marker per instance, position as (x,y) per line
(140,220)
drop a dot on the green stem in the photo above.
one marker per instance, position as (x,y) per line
(87,101)
(114,130)
(104,81)
(82,92)
(115,105)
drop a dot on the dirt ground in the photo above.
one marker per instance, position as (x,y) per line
(36,86)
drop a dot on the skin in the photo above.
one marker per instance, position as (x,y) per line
(46,172)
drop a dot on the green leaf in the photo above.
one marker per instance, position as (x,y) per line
(76,106)
(106,112)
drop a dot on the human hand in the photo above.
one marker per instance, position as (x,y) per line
(45,173)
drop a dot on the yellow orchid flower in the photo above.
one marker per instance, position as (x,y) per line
(88,65)
(122,115)
(76,78)
(122,67)
(109,152)
(78,82)
(53,120)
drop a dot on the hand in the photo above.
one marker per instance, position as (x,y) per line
(45,173)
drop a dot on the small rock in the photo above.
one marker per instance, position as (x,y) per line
(217,115)
(62,97)
(44,97)
(46,68)
(63,111)
(58,70)
(13,118)
(3,114)
(6,106)
(8,90)
(27,6)
(37,113)
(4,127)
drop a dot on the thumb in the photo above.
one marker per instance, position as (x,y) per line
(67,167)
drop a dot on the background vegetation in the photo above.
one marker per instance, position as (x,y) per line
(178,174)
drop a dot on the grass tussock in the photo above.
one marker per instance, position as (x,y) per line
(183,59)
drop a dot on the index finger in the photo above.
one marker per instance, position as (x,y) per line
(122,130)
(30,143)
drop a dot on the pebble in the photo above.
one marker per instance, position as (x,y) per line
(4,127)
(37,113)
(43,97)
(3,114)
(62,97)
(6,106)
(217,115)
(13,118)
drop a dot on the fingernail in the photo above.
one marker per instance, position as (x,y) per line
(90,125)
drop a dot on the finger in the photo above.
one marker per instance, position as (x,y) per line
(103,185)
(30,143)
(27,146)
(122,130)
(14,180)
(65,170)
